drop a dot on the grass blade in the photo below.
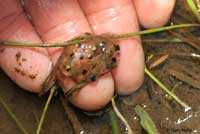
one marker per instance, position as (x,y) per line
(79,40)
(23,130)
(155,30)
(146,121)
(45,109)
(187,108)
(194,9)
(115,127)
(121,116)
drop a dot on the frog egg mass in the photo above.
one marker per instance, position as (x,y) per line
(86,61)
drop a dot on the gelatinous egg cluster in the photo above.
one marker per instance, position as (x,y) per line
(87,61)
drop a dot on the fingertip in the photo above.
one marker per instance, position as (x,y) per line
(95,95)
(129,74)
(27,66)
(156,13)
(119,17)
(21,66)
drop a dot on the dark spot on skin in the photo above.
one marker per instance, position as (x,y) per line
(23,73)
(89,56)
(93,78)
(117,48)
(68,68)
(81,57)
(17,70)
(24,59)
(84,72)
(18,56)
(30,67)
(2,50)
(32,76)
(114,60)
(87,33)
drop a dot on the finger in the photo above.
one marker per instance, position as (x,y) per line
(154,13)
(95,95)
(58,21)
(119,17)
(28,67)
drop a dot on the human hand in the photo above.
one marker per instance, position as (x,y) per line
(48,21)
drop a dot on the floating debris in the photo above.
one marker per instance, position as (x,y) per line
(158,61)
(185,78)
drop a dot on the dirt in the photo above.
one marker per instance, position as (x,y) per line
(168,116)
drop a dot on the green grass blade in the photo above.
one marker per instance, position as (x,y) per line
(114,123)
(187,108)
(52,90)
(23,130)
(194,9)
(155,30)
(79,40)
(11,43)
(146,121)
(120,116)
